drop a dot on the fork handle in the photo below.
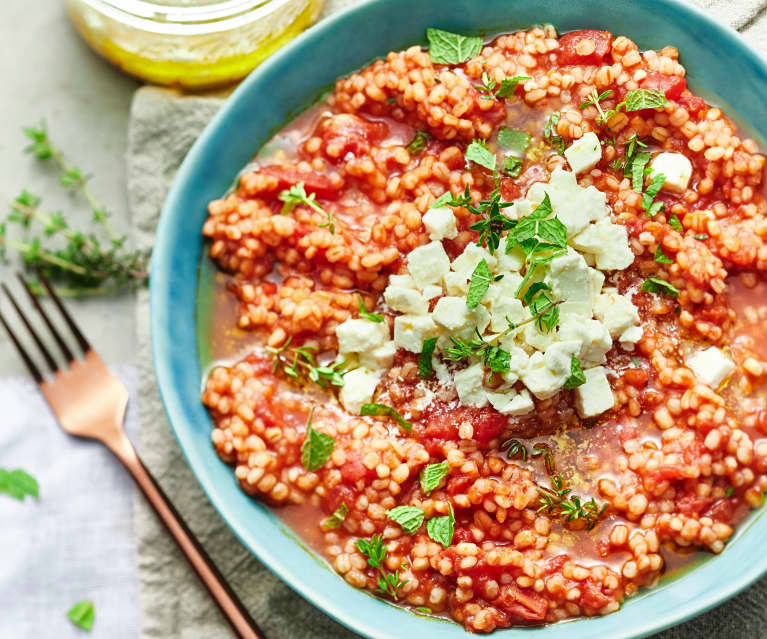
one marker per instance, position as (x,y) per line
(230,605)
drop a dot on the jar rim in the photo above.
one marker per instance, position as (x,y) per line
(185,20)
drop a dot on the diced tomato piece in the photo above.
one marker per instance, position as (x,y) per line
(554,564)
(636,377)
(461,535)
(341,493)
(316,183)
(354,470)
(724,509)
(691,102)
(671,85)
(523,605)
(692,505)
(510,190)
(459,484)
(351,133)
(592,595)
(487,425)
(576,47)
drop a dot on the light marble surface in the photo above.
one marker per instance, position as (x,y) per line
(49,74)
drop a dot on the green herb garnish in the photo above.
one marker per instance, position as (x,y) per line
(577,376)
(452,48)
(651,208)
(480,282)
(18,484)
(300,364)
(432,475)
(409,518)
(382,410)
(661,257)
(425,368)
(336,520)
(701,237)
(372,317)
(83,614)
(638,165)
(595,98)
(660,287)
(728,492)
(419,142)
(516,449)
(550,135)
(675,224)
(388,583)
(512,166)
(638,99)
(513,139)
(317,447)
(440,529)
(509,85)
(559,502)
(478,153)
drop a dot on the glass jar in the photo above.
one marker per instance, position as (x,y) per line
(191,44)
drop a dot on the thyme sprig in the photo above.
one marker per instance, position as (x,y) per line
(389,583)
(300,364)
(80,263)
(562,504)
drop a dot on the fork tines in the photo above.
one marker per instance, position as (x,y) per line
(65,350)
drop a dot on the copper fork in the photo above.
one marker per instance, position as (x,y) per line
(90,402)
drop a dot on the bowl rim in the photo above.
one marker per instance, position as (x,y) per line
(159,305)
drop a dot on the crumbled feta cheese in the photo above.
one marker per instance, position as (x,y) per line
(358,389)
(558,357)
(380,357)
(441,370)
(676,168)
(584,154)
(539,379)
(358,335)
(456,283)
(518,360)
(608,242)
(452,313)
(428,264)
(405,300)
(569,279)
(537,338)
(595,395)
(711,366)
(511,402)
(440,222)
(431,291)
(403,281)
(468,385)
(630,336)
(511,261)
(411,330)
(472,255)
(594,338)
(617,312)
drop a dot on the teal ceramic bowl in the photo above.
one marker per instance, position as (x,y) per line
(718,64)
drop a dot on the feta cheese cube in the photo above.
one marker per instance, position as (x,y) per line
(403,281)
(594,339)
(405,300)
(569,278)
(536,338)
(558,357)
(358,389)
(452,313)
(630,336)
(511,402)
(676,168)
(608,242)
(456,283)
(511,261)
(539,379)
(517,361)
(428,264)
(595,395)
(440,222)
(617,312)
(411,330)
(584,154)
(472,255)
(431,291)
(596,280)
(711,366)
(380,357)
(358,335)
(468,384)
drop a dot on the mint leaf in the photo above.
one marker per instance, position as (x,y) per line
(478,153)
(18,484)
(509,85)
(425,369)
(337,518)
(317,447)
(452,48)
(442,200)
(480,282)
(83,614)
(638,164)
(409,518)
(659,287)
(513,139)
(382,410)
(577,376)
(441,529)
(418,143)
(661,257)
(432,475)
(497,359)
(372,317)
(651,191)
(512,166)
(675,224)
(638,99)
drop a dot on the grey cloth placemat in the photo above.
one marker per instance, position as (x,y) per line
(163,126)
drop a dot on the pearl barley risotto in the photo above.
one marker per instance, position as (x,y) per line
(489,325)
